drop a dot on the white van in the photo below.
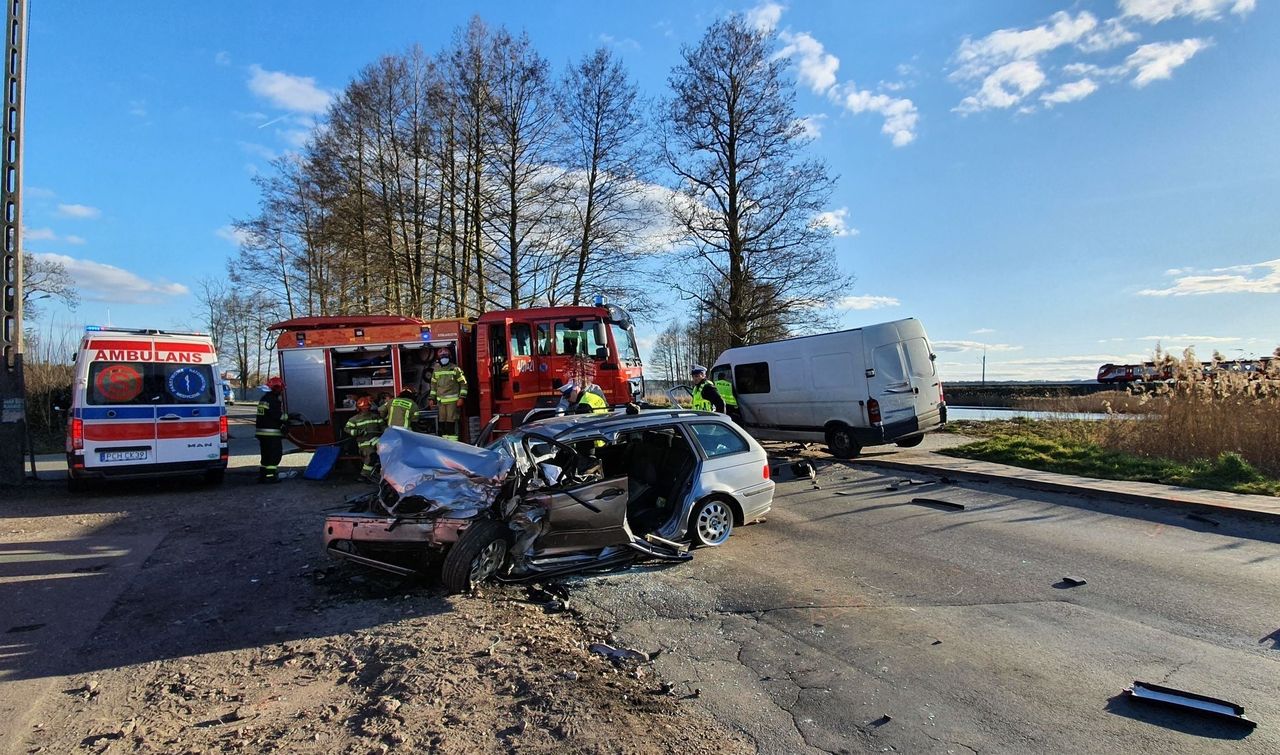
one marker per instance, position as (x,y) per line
(850,389)
(145,403)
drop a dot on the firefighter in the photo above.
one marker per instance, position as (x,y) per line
(269,430)
(705,396)
(365,427)
(401,410)
(448,390)
(725,389)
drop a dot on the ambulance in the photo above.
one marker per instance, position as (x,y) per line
(145,403)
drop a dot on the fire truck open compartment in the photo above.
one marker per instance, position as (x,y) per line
(515,361)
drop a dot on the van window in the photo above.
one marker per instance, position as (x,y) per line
(722,372)
(133,383)
(751,378)
(918,358)
(888,363)
(717,439)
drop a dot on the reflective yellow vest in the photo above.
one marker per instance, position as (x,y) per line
(725,389)
(448,384)
(399,412)
(366,428)
(700,404)
(595,401)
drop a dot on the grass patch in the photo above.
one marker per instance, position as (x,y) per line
(1063,447)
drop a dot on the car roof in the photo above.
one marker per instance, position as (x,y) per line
(581,425)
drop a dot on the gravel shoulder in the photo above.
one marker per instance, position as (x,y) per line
(175,617)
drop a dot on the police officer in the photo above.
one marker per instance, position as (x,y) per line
(401,410)
(448,391)
(591,400)
(725,389)
(269,430)
(705,396)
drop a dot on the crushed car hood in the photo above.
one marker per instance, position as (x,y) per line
(452,478)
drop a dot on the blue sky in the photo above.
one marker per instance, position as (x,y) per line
(1064,182)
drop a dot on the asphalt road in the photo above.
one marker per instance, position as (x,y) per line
(854,620)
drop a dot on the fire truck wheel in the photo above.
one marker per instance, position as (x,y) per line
(477,556)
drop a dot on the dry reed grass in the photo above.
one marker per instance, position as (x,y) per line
(1201,415)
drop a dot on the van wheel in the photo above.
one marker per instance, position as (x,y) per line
(911,442)
(477,556)
(840,442)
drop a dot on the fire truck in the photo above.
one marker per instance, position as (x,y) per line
(515,362)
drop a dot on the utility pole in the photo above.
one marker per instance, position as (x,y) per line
(984,365)
(13,426)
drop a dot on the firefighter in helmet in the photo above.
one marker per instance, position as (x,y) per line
(365,427)
(269,430)
(448,391)
(401,410)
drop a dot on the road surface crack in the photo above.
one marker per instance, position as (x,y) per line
(942,741)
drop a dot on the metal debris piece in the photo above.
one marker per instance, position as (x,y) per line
(938,504)
(1201,518)
(845,492)
(881,721)
(1070,581)
(618,654)
(1160,695)
(794,470)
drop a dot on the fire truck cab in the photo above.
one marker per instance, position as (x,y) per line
(515,362)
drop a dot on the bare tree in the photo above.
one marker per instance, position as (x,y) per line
(46,278)
(748,199)
(610,161)
(526,183)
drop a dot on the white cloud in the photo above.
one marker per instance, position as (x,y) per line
(1112,34)
(73,239)
(765,16)
(1155,11)
(836,221)
(138,108)
(867,302)
(257,150)
(976,58)
(222,58)
(900,114)
(38,192)
(1158,60)
(287,91)
(815,66)
(626,43)
(107,283)
(1258,278)
(1191,339)
(973,346)
(79,211)
(982,331)
(295,137)
(1005,87)
(38,234)
(811,125)
(236,236)
(1070,92)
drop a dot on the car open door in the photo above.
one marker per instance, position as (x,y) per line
(581,514)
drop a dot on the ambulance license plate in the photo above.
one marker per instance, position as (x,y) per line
(123,455)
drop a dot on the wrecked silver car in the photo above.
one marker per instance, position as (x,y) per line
(555,496)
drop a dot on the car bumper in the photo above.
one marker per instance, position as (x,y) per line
(756,501)
(375,530)
(77,470)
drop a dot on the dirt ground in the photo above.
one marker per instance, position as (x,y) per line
(232,632)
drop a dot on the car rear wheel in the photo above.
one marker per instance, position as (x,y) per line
(477,556)
(711,523)
(911,442)
(840,442)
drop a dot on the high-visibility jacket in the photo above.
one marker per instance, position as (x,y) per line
(366,428)
(399,412)
(271,417)
(701,402)
(725,389)
(448,383)
(594,401)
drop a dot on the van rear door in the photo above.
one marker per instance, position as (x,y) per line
(890,387)
(188,413)
(119,423)
(925,385)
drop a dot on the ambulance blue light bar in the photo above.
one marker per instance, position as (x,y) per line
(140,331)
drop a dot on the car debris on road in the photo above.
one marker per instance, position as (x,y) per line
(1168,696)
